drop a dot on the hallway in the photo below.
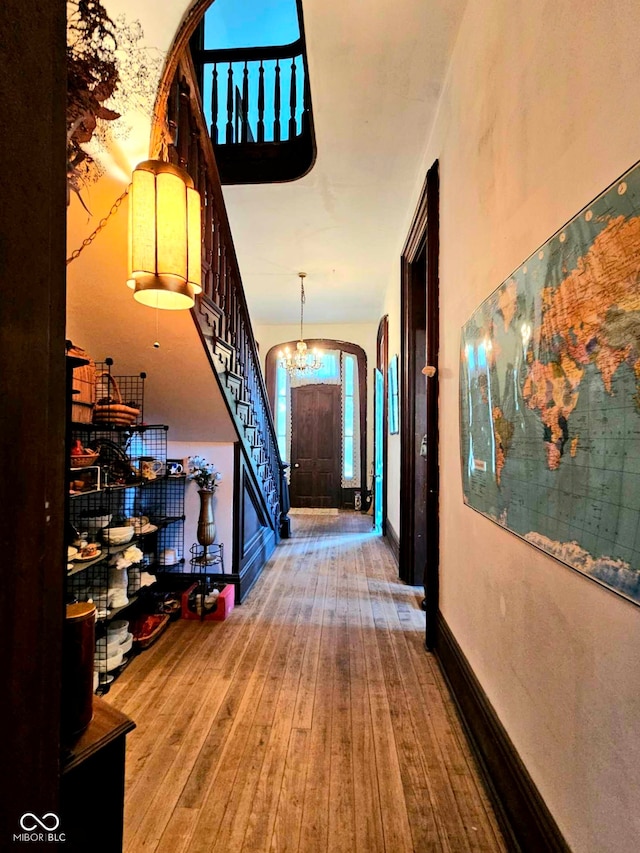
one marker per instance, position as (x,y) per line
(311,720)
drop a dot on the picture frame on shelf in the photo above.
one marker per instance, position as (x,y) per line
(176,467)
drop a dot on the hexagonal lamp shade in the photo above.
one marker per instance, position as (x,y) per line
(165,244)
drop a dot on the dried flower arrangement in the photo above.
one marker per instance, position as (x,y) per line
(92,77)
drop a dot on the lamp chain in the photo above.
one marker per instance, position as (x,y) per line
(89,240)
(302,301)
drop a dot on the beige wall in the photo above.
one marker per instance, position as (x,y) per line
(540,112)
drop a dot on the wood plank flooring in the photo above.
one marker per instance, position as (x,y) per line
(310,721)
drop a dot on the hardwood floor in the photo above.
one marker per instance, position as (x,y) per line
(310,721)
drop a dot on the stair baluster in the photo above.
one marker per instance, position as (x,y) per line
(214,104)
(230,105)
(245,103)
(261,102)
(276,104)
(293,100)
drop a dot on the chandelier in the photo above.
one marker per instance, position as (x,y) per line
(303,360)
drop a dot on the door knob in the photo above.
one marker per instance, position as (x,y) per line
(296,465)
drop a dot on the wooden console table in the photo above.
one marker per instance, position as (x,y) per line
(92,783)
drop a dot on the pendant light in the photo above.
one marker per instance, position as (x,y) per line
(165,241)
(303,360)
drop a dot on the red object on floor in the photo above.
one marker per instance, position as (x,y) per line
(224,604)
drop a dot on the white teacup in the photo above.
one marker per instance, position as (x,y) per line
(168,557)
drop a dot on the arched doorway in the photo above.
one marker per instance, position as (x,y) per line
(321,424)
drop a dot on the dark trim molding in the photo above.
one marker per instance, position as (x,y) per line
(526,821)
(393,542)
(33,392)
(270,363)
(382,353)
(419,287)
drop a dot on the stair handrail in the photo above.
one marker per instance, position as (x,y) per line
(192,149)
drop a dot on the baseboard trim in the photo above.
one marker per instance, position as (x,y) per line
(393,541)
(523,814)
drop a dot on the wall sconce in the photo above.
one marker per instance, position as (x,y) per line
(165,242)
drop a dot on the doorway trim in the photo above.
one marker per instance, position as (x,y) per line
(423,236)
(271,363)
(382,358)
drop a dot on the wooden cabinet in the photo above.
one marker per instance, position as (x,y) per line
(92,783)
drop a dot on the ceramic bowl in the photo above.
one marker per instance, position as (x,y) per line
(107,649)
(118,629)
(126,645)
(117,535)
(96,522)
(110,662)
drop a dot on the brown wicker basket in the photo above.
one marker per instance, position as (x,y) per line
(84,459)
(83,387)
(115,412)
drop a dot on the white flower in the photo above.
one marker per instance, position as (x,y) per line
(133,554)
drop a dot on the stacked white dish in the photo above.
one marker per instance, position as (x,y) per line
(106,662)
(110,650)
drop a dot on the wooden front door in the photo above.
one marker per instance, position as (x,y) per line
(316,443)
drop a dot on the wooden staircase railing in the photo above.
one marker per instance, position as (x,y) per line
(221,313)
(259,110)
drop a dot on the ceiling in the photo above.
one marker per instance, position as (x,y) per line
(376,69)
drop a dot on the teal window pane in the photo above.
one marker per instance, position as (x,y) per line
(348,375)
(330,370)
(281,381)
(348,458)
(348,416)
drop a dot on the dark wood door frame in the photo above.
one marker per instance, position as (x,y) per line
(422,243)
(33,391)
(382,356)
(271,362)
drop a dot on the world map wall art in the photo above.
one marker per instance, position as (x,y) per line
(550,395)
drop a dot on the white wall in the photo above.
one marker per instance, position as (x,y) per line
(540,112)
(221,455)
(363,334)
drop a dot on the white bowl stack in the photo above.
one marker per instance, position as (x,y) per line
(110,650)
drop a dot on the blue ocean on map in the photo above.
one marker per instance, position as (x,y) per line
(550,395)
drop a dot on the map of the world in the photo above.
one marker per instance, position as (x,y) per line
(550,395)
